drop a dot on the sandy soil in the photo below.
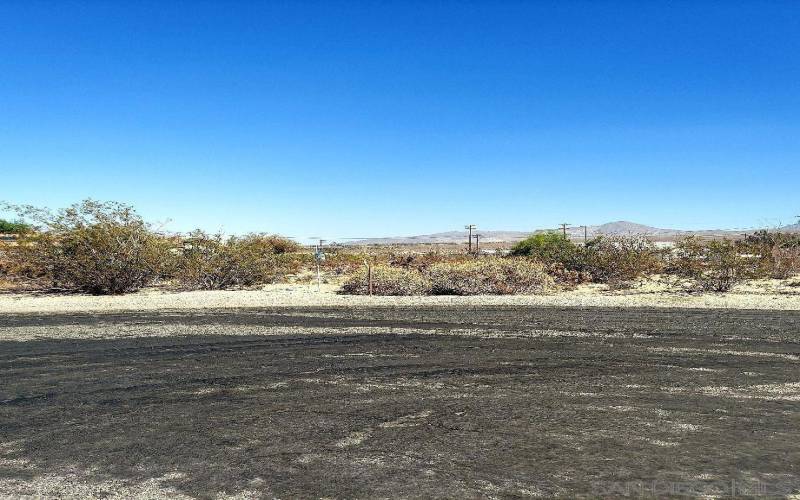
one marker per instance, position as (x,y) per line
(766,294)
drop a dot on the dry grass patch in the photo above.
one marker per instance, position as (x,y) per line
(491,276)
(487,276)
(387,280)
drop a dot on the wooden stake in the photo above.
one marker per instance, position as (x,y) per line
(369,276)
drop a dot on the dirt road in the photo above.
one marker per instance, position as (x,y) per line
(401,402)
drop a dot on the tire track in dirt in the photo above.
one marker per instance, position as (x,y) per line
(468,406)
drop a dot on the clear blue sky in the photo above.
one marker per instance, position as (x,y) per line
(384,118)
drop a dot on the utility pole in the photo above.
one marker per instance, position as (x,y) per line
(470,227)
(585,235)
(564,228)
(477,241)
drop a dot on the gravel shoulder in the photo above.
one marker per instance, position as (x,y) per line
(762,296)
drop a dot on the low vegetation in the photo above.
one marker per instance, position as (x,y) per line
(718,265)
(484,276)
(489,276)
(714,265)
(614,259)
(100,248)
(18,227)
(778,254)
(551,248)
(107,248)
(214,262)
(387,280)
(619,260)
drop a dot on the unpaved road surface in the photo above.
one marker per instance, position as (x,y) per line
(505,402)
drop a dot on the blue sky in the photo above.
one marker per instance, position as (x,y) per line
(385,118)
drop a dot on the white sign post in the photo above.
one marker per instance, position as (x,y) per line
(319,256)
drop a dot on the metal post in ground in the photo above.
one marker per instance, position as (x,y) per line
(369,276)
(319,257)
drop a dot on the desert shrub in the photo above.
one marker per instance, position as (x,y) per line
(785,262)
(338,262)
(293,263)
(777,254)
(771,239)
(491,276)
(568,277)
(275,244)
(423,261)
(387,280)
(723,266)
(550,248)
(100,248)
(5,260)
(18,227)
(216,262)
(715,265)
(621,259)
(687,258)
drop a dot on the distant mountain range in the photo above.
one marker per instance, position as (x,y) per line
(618,228)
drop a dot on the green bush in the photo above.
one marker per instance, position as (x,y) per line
(621,259)
(214,262)
(550,248)
(19,227)
(490,276)
(386,280)
(100,248)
